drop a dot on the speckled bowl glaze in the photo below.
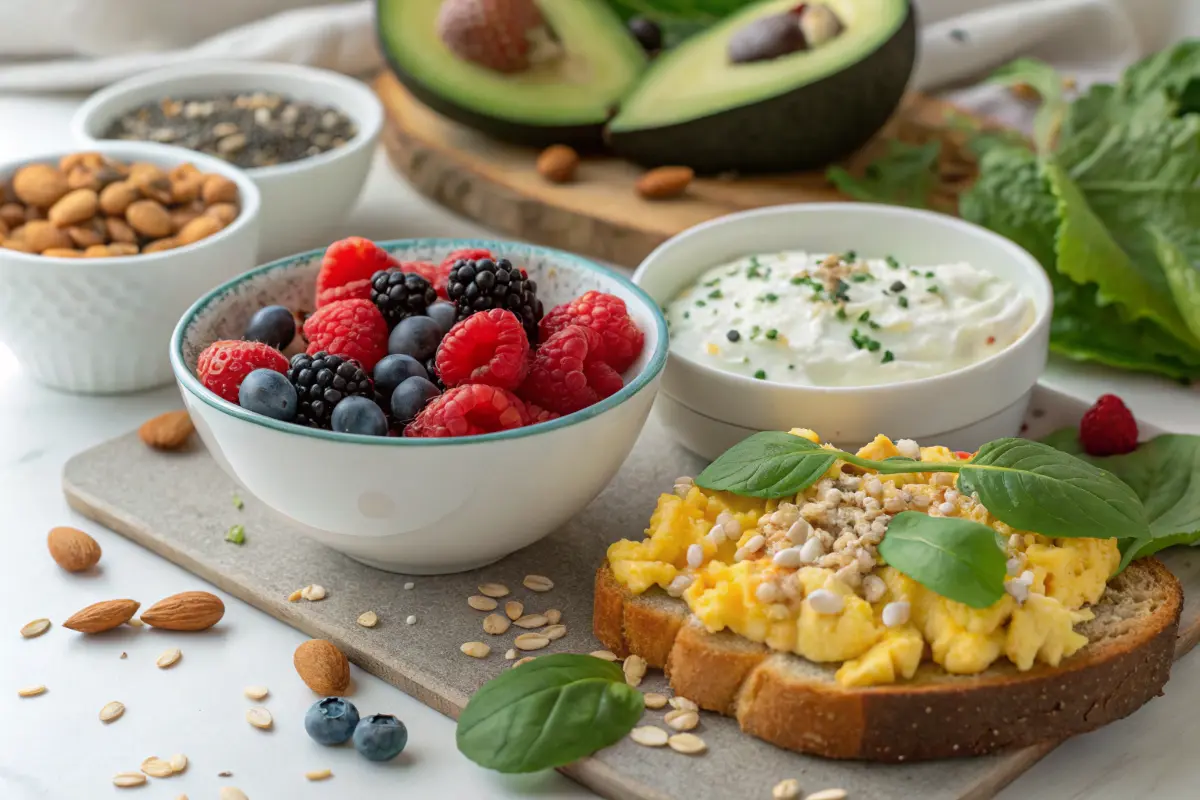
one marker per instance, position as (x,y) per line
(421,506)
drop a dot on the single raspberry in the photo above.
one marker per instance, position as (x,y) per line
(489,347)
(441,278)
(607,316)
(354,290)
(223,365)
(567,373)
(1108,428)
(348,328)
(469,410)
(348,261)
(538,414)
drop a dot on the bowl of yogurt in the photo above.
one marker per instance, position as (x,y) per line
(850,319)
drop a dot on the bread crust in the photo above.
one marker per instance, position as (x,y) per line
(798,705)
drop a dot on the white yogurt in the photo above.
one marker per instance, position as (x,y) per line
(820,320)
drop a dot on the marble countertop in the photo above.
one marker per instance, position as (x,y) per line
(55,747)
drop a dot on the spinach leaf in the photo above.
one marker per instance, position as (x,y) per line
(547,713)
(1035,487)
(955,558)
(768,464)
(904,175)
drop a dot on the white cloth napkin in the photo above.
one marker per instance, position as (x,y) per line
(64,45)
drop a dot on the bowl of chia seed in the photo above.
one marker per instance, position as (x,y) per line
(305,136)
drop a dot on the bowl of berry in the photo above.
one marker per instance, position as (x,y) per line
(423,406)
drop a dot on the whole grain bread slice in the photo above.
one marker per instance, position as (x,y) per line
(796,704)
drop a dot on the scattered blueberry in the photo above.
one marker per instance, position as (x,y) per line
(391,371)
(359,415)
(411,396)
(647,32)
(270,393)
(331,721)
(415,336)
(380,737)
(273,325)
(443,313)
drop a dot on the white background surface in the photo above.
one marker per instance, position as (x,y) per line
(53,746)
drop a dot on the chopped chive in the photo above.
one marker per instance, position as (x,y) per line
(932,289)
(849,256)
(701,303)
(842,292)
(237,501)
(772,334)
(915,272)
(761,375)
(737,304)
(713,282)
(755,331)
(874,325)
(841,313)
(887,357)
(715,294)
(873,345)
(769,297)
(745,359)
(864,316)
(903,301)
(236,534)
(687,315)
(892,262)
(928,273)
(791,366)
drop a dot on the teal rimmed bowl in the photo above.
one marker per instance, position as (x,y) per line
(421,506)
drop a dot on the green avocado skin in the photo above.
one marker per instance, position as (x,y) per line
(807,128)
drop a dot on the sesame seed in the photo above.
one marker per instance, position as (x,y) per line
(812,550)
(896,614)
(409,585)
(695,556)
(824,601)
(789,558)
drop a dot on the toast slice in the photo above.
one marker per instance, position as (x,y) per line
(796,704)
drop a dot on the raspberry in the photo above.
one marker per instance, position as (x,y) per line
(538,414)
(441,278)
(223,365)
(348,328)
(489,347)
(1108,428)
(348,261)
(469,410)
(606,315)
(567,373)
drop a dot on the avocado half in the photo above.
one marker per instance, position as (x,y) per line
(795,112)
(566,101)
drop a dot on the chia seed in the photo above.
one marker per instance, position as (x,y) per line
(255,129)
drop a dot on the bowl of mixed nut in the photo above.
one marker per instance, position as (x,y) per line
(101,251)
(305,136)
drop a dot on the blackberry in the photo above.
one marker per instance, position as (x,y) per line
(398,295)
(434,378)
(482,284)
(321,382)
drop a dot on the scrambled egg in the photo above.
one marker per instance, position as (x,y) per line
(878,640)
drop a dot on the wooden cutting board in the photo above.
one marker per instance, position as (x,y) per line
(179,505)
(600,214)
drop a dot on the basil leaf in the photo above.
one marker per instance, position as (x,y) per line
(768,464)
(547,713)
(956,558)
(1035,487)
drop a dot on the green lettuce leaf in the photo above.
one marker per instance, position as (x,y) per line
(904,175)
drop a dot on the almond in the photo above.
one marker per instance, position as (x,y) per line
(218,189)
(184,171)
(197,229)
(185,190)
(88,234)
(39,185)
(224,212)
(12,214)
(558,163)
(103,616)
(62,252)
(3,229)
(168,431)
(158,245)
(72,549)
(119,230)
(73,208)
(186,611)
(182,216)
(41,235)
(664,182)
(149,218)
(116,197)
(16,244)
(87,160)
(322,666)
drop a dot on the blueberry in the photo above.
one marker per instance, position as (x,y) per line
(391,371)
(359,415)
(380,737)
(331,721)
(443,314)
(416,336)
(273,325)
(270,393)
(410,397)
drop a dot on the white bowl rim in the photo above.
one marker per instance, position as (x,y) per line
(1019,254)
(249,199)
(645,376)
(369,124)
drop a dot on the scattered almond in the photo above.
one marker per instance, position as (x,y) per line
(186,611)
(39,185)
(513,609)
(683,704)
(155,767)
(256,692)
(691,744)
(126,780)
(475,649)
(169,431)
(102,616)
(530,621)
(112,711)
(322,666)
(368,619)
(787,789)
(828,794)
(538,583)
(72,549)
(296,596)
(149,218)
(634,669)
(219,189)
(510,654)
(553,616)
(495,624)
(481,603)
(178,762)
(36,628)
(117,197)
(682,719)
(649,736)
(664,183)
(607,655)
(654,700)
(493,590)
(231,793)
(313,593)
(531,641)
(260,718)
(318,774)
(169,658)
(557,163)
(554,632)
(73,208)
(199,228)
(31,691)
(521,661)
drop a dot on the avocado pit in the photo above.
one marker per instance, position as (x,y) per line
(502,35)
(806,26)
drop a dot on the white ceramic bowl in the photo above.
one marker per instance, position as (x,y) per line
(101,325)
(421,506)
(709,410)
(301,199)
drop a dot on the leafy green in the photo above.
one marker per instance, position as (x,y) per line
(1048,83)
(904,175)
(547,713)
(768,464)
(706,11)
(956,558)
